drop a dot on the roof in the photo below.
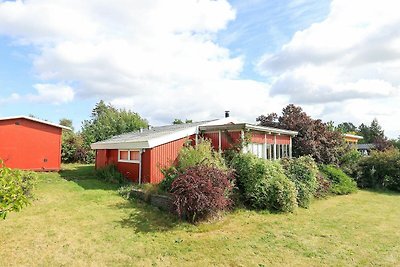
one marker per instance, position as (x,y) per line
(243,126)
(36,120)
(148,138)
(365,146)
(155,136)
(353,136)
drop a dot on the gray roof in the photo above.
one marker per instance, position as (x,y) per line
(365,146)
(149,134)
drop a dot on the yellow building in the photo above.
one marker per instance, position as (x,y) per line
(352,139)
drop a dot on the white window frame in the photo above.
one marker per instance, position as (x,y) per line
(129,156)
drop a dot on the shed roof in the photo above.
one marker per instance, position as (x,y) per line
(36,120)
(365,146)
(243,126)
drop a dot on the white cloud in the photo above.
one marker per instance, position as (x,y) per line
(10,99)
(346,67)
(51,93)
(159,58)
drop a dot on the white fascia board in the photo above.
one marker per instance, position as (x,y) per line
(121,145)
(354,136)
(270,129)
(172,137)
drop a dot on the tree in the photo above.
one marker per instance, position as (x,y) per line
(179,121)
(67,123)
(314,138)
(107,121)
(346,127)
(374,134)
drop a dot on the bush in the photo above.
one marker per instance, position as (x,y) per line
(349,162)
(342,184)
(201,154)
(110,174)
(323,186)
(189,156)
(282,194)
(170,174)
(254,176)
(15,189)
(201,191)
(303,172)
(380,170)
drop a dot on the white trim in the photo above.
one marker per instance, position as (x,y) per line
(219,141)
(353,136)
(129,156)
(36,120)
(140,166)
(274,147)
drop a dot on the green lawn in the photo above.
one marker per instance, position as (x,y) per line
(77,220)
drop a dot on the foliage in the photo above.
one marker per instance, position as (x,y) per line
(381,170)
(346,127)
(67,123)
(15,189)
(179,121)
(315,137)
(323,186)
(170,174)
(282,194)
(342,184)
(303,172)
(107,121)
(110,174)
(73,149)
(201,154)
(201,191)
(349,162)
(253,177)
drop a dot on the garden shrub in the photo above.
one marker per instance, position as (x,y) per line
(282,194)
(303,172)
(342,184)
(201,191)
(349,162)
(110,174)
(253,177)
(189,156)
(323,186)
(202,153)
(15,189)
(170,174)
(380,170)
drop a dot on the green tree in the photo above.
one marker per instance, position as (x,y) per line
(107,121)
(315,138)
(179,121)
(67,123)
(346,127)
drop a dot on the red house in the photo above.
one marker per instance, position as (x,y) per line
(140,155)
(30,144)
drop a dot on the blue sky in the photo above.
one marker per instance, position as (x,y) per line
(336,59)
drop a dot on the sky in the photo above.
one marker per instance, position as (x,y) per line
(193,59)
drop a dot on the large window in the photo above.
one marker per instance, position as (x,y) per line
(129,156)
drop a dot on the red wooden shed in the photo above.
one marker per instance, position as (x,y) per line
(140,155)
(30,144)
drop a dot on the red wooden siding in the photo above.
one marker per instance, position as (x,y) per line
(106,157)
(30,145)
(283,139)
(161,156)
(227,139)
(259,138)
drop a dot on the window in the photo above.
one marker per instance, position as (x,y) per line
(129,156)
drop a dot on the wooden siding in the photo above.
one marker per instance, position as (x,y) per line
(30,145)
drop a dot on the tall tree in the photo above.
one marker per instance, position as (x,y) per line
(67,123)
(315,137)
(107,121)
(346,127)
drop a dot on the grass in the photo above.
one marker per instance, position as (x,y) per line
(78,220)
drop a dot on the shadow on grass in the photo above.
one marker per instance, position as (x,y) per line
(382,191)
(85,177)
(143,218)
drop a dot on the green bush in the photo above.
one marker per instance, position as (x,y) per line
(189,156)
(323,186)
(110,174)
(15,189)
(349,162)
(342,184)
(257,179)
(282,194)
(201,154)
(380,170)
(303,172)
